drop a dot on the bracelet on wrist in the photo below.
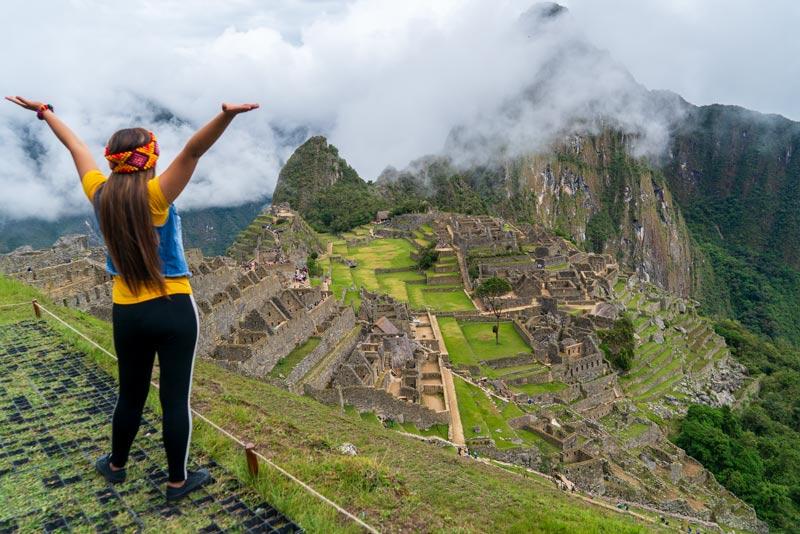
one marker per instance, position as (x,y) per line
(41,110)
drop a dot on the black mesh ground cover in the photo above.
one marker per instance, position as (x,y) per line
(55,413)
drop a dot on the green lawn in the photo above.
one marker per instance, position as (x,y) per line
(482,340)
(457,345)
(438,301)
(478,410)
(468,343)
(395,283)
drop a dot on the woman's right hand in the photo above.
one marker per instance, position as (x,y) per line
(32,105)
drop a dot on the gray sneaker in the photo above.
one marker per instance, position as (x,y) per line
(194,480)
(103,466)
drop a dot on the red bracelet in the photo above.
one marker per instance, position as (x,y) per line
(40,111)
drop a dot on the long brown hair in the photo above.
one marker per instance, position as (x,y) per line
(126,221)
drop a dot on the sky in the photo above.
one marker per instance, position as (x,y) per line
(385,81)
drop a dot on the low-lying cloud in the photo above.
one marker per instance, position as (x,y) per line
(386,82)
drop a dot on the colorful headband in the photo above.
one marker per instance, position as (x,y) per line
(138,159)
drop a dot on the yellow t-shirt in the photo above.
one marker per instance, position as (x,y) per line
(159,209)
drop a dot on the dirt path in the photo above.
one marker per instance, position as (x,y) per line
(456,430)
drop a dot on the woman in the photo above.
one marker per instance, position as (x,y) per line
(153,308)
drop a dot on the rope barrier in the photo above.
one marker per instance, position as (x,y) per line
(26,303)
(229,435)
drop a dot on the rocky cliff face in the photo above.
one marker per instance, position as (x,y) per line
(607,201)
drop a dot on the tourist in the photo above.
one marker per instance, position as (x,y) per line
(153,308)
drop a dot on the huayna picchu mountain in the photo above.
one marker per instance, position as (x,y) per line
(324,189)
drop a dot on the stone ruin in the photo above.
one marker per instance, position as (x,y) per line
(70,272)
(395,369)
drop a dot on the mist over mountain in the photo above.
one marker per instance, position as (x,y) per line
(385,82)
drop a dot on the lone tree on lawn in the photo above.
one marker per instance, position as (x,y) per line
(491,290)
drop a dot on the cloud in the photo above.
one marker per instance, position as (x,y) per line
(386,81)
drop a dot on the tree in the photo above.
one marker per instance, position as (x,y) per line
(618,343)
(491,290)
(428,256)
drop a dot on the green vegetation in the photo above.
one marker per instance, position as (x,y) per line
(479,410)
(618,343)
(314,268)
(406,285)
(427,257)
(743,215)
(725,444)
(324,189)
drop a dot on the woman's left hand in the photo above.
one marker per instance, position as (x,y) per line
(235,109)
(32,105)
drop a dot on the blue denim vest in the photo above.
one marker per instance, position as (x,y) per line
(170,243)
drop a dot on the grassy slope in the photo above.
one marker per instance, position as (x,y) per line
(400,484)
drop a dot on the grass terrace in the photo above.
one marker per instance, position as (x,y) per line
(392,254)
(477,409)
(287,364)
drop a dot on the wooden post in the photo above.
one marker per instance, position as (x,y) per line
(36,309)
(252,459)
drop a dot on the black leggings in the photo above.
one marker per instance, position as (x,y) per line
(169,327)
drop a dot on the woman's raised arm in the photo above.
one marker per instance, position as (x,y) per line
(81,155)
(178,174)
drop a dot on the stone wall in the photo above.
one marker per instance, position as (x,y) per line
(523,358)
(339,327)
(582,368)
(321,375)
(536,378)
(530,458)
(63,251)
(651,436)
(603,397)
(587,475)
(443,280)
(382,403)
(523,333)
(61,280)
(220,313)
(599,411)
(599,384)
(286,337)
(568,395)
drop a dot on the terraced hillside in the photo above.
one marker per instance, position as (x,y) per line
(254,237)
(388,265)
(274,233)
(678,355)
